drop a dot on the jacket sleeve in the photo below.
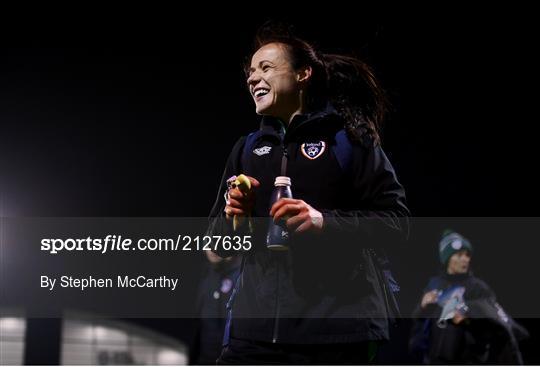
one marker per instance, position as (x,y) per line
(421,319)
(379,199)
(218,225)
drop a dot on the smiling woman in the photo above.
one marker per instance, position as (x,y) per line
(319,127)
(277,88)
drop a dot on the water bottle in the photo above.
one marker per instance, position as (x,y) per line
(278,235)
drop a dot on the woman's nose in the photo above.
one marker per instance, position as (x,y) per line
(253,78)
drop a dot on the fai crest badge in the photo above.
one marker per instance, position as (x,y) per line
(313,150)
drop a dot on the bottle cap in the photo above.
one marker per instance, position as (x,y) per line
(283,181)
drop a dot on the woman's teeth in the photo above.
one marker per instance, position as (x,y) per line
(261,92)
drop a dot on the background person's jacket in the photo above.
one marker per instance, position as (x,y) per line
(333,287)
(487,335)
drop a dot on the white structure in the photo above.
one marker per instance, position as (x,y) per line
(12,330)
(104,342)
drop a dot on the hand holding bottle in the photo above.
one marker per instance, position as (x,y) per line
(299,215)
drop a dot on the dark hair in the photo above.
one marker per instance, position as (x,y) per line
(346,82)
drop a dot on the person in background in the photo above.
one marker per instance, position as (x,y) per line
(213,295)
(458,320)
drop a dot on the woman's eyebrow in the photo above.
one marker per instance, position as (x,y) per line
(263,61)
(251,69)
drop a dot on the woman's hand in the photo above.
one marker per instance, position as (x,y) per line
(429,298)
(240,203)
(299,215)
(458,318)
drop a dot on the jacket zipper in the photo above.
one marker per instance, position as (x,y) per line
(276,315)
(285,156)
(283,172)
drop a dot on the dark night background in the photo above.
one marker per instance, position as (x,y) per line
(137,119)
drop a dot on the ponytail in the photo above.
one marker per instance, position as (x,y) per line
(356,94)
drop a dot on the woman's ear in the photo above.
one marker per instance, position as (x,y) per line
(304,74)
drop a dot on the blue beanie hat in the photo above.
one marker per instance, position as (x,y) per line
(452,242)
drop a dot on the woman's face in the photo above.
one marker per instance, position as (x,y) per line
(273,83)
(459,262)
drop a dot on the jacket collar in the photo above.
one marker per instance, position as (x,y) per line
(273,126)
(456,278)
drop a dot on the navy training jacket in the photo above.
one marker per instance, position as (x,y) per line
(331,287)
